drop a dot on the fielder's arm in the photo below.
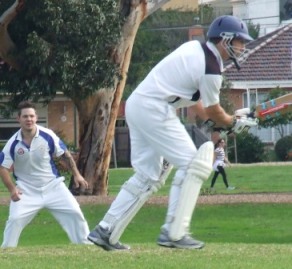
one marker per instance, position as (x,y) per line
(71,165)
(8,182)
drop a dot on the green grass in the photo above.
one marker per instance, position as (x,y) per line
(247,179)
(236,235)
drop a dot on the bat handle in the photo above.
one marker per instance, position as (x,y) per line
(252,114)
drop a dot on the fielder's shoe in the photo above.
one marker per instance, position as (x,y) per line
(230,188)
(100,237)
(187,242)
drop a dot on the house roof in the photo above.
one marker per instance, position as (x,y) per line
(269,63)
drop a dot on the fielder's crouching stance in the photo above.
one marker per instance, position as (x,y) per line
(191,75)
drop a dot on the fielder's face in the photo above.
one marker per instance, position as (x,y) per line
(27,119)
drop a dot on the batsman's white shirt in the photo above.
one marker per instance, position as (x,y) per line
(191,72)
(33,165)
(191,68)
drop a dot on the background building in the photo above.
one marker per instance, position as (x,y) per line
(183,5)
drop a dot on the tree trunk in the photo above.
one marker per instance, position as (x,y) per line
(97,120)
(94,114)
(6,44)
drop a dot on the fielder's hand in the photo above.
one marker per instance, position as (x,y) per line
(80,182)
(15,194)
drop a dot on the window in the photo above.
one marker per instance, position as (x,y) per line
(255,98)
(285,10)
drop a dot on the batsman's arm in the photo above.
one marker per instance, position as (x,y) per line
(217,114)
(200,111)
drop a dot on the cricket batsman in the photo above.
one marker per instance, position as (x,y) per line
(190,75)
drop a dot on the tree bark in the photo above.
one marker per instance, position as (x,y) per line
(94,114)
(7,46)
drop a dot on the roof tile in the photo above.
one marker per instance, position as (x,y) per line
(270,58)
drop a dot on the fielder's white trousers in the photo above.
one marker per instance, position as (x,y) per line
(58,200)
(156,133)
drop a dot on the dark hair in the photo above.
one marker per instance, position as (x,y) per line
(218,142)
(25,104)
(215,40)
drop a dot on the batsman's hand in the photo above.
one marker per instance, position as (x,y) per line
(242,113)
(243,125)
(245,113)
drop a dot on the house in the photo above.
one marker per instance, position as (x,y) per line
(268,14)
(268,66)
(181,5)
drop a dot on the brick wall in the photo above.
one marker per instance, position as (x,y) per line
(61,120)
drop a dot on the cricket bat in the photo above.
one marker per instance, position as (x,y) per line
(274,108)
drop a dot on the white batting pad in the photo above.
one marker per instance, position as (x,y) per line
(199,170)
(141,198)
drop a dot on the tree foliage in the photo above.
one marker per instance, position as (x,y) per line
(68,51)
(250,149)
(283,148)
(225,101)
(253,29)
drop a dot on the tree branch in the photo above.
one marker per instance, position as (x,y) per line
(6,44)
(153,5)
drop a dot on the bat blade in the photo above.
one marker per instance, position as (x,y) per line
(283,108)
(274,108)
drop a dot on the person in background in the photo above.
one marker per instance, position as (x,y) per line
(220,161)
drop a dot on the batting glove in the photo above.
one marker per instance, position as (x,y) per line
(244,113)
(243,125)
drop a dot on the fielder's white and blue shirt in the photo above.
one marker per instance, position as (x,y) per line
(33,164)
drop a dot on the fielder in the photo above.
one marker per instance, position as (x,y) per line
(191,75)
(38,184)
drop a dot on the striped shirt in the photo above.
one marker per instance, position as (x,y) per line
(220,154)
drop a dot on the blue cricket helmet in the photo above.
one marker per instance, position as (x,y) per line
(228,24)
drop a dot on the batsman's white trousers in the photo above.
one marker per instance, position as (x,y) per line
(58,200)
(155,132)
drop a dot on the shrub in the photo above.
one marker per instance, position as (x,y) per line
(2,146)
(283,148)
(250,149)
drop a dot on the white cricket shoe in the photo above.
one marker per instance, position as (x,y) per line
(100,237)
(187,242)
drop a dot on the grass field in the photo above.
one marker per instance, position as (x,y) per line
(236,235)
